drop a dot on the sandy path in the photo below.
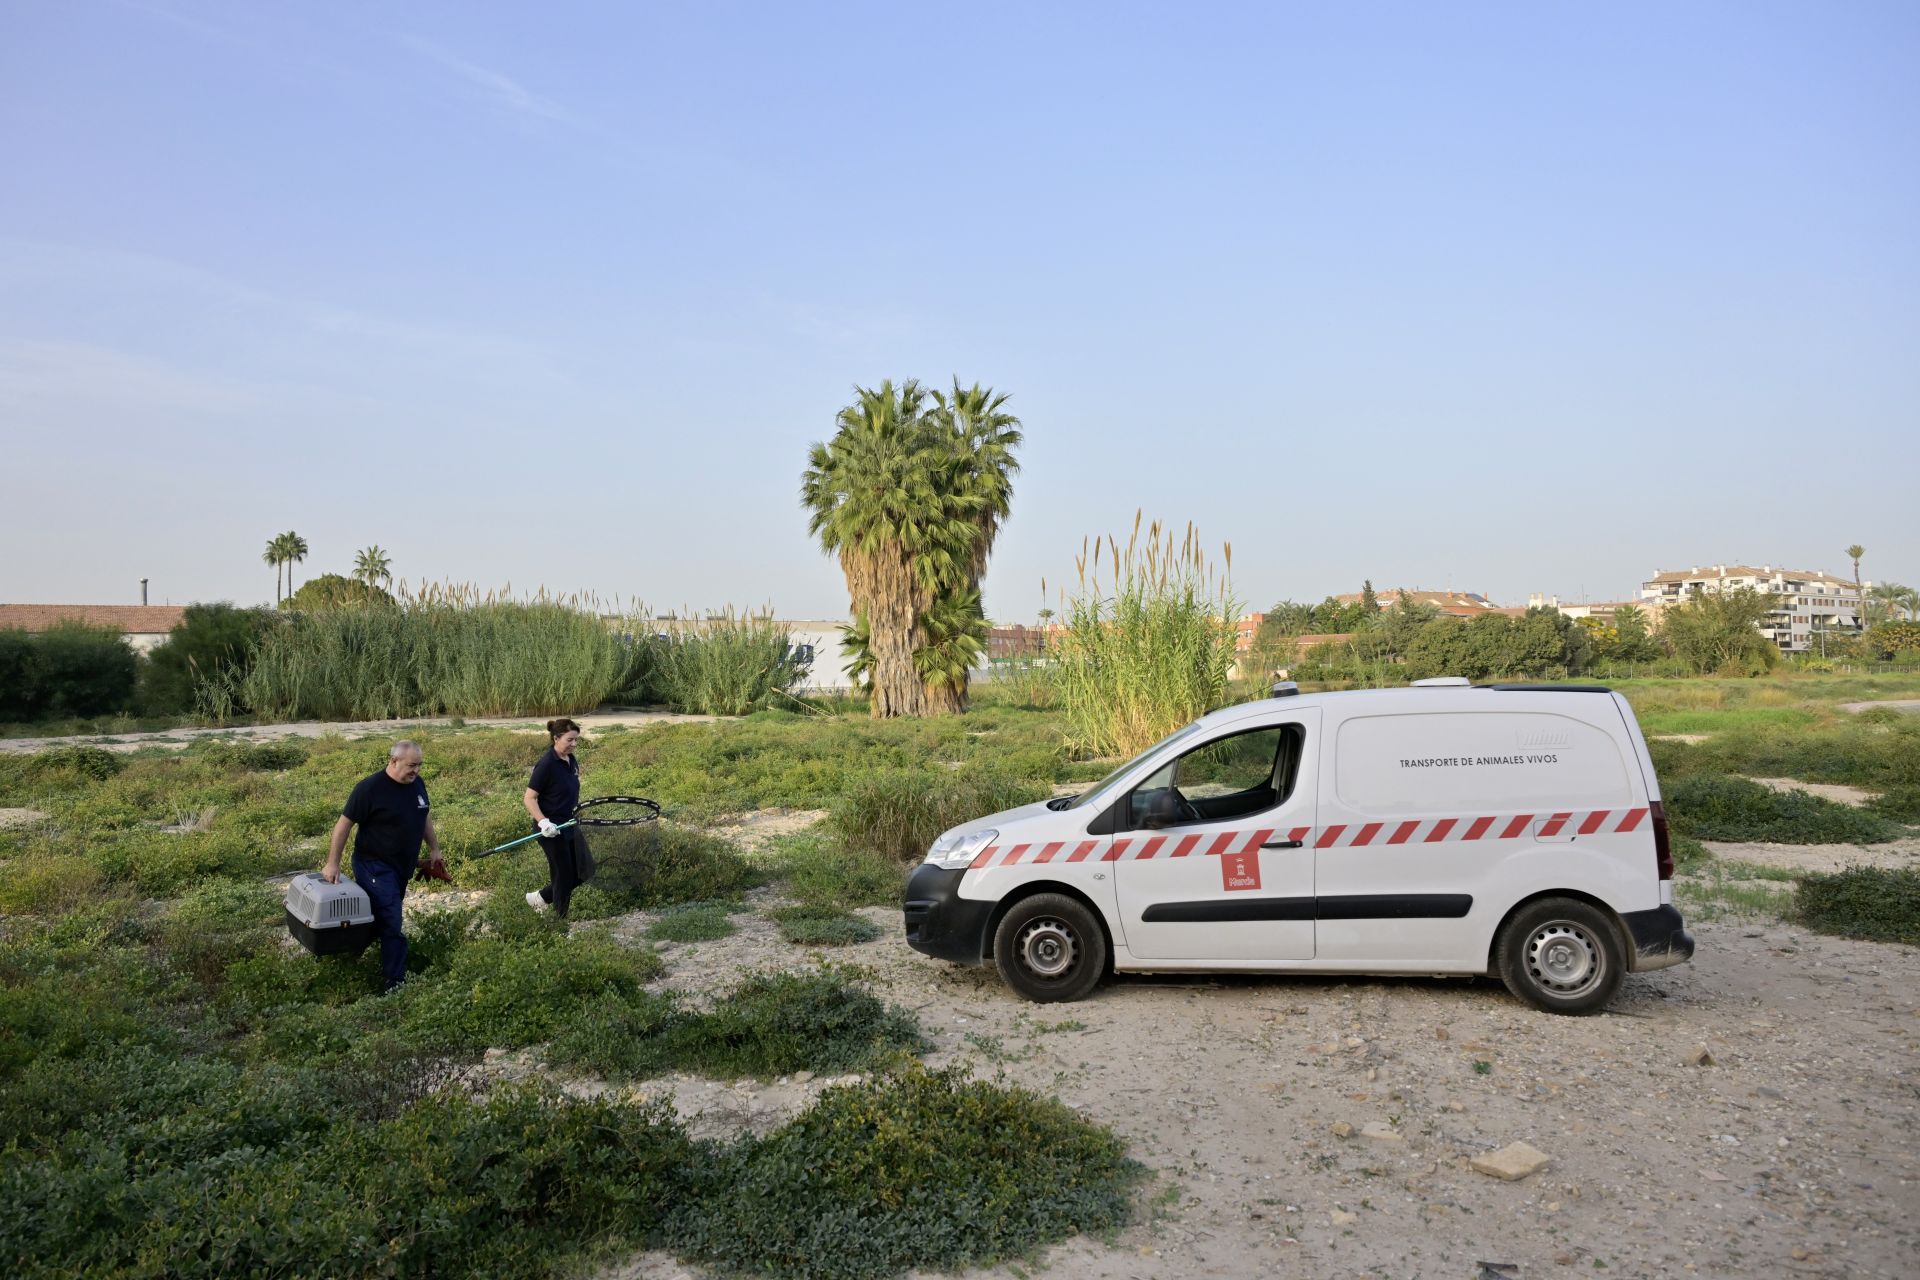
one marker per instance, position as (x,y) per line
(345,728)
(1819,857)
(1797,1152)
(1911,705)
(1837,792)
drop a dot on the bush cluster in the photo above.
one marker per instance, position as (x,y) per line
(68,670)
(899,813)
(928,1169)
(1718,807)
(725,666)
(1875,903)
(816,924)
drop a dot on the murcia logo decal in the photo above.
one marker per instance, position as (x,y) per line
(1239,871)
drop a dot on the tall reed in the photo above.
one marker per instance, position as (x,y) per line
(442,650)
(725,665)
(1153,651)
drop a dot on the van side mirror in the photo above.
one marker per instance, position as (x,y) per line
(1160,810)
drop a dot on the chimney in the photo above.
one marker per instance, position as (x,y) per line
(143,591)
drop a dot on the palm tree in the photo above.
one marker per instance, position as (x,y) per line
(294,551)
(371,566)
(981,437)
(876,498)
(275,555)
(1854,553)
(1889,601)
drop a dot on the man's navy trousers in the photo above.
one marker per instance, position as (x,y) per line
(386,885)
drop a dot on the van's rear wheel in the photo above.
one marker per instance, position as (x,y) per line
(1561,955)
(1050,948)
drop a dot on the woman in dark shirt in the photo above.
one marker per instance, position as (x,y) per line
(553,792)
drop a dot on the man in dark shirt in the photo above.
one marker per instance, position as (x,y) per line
(391,810)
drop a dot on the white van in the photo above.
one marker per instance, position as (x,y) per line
(1440,829)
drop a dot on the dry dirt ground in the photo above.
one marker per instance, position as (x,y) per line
(1791,1147)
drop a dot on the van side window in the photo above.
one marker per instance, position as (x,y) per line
(1230,777)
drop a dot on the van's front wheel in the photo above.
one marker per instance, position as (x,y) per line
(1561,955)
(1050,948)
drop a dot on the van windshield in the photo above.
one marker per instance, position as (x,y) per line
(1098,791)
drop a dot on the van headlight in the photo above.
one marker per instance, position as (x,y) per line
(958,848)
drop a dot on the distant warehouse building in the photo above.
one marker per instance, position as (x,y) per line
(1807,604)
(143,626)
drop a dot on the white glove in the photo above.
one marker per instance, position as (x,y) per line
(547,828)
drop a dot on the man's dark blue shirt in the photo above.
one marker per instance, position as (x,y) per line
(392,820)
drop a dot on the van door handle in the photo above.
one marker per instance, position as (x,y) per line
(1283,844)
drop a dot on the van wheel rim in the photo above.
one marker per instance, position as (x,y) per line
(1564,959)
(1047,948)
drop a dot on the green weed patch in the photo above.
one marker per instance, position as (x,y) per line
(922,1169)
(822,925)
(692,922)
(819,869)
(1875,903)
(899,813)
(1717,807)
(770,1024)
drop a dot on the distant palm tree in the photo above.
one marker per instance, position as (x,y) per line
(1890,601)
(294,552)
(1854,553)
(274,555)
(371,566)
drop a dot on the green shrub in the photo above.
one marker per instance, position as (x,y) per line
(818,869)
(269,757)
(70,669)
(1717,807)
(504,993)
(926,1170)
(218,924)
(768,1025)
(1902,804)
(658,865)
(820,925)
(48,883)
(211,642)
(62,769)
(899,813)
(775,1023)
(1875,903)
(511,1185)
(692,922)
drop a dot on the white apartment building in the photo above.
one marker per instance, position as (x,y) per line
(1807,604)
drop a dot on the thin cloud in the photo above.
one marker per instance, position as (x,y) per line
(503,90)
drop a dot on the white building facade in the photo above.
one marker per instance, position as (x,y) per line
(1807,605)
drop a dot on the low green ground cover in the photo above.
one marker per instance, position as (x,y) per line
(182,1093)
(1878,904)
(815,924)
(1719,807)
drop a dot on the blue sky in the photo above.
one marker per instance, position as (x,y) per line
(1501,297)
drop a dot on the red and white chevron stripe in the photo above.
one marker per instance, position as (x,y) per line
(1355,835)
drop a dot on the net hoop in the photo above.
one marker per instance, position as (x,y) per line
(633,811)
